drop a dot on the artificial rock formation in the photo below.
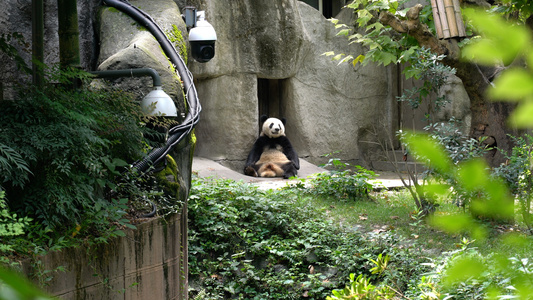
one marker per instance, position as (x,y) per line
(124,44)
(328,107)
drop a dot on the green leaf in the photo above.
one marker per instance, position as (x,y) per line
(344,32)
(15,286)
(502,40)
(359,59)
(521,117)
(436,190)
(338,56)
(462,269)
(119,233)
(455,223)
(393,7)
(347,58)
(530,60)
(119,162)
(423,146)
(473,174)
(482,51)
(514,84)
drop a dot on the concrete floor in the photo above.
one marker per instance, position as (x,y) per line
(205,167)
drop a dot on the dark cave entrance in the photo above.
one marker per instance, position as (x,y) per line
(270,97)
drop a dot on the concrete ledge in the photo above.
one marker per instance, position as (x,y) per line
(206,168)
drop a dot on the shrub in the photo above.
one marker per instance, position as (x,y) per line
(517,174)
(246,243)
(61,151)
(360,288)
(468,274)
(342,183)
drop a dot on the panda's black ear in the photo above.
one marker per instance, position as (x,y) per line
(263,118)
(283,120)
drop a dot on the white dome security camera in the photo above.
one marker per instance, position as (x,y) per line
(202,38)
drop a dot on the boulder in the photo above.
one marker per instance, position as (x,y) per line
(124,44)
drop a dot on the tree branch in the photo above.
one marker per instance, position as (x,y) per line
(413,27)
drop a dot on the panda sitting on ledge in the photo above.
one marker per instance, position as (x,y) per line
(272,154)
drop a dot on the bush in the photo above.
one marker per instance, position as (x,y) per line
(517,174)
(467,274)
(246,243)
(61,151)
(342,182)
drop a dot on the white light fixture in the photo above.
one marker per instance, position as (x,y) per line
(158,103)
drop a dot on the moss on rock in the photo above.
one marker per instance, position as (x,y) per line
(169,178)
(176,37)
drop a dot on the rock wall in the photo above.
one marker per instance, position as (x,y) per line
(329,108)
(16,18)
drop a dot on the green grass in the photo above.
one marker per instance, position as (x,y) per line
(388,211)
(396,211)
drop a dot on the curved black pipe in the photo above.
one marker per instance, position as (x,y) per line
(176,133)
(152,212)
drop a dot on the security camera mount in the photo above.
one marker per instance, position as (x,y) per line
(202,35)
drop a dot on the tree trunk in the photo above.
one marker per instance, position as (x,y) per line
(489,119)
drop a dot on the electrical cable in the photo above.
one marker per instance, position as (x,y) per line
(178,132)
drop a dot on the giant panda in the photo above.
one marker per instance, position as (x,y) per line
(272,154)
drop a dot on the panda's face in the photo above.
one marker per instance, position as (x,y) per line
(273,128)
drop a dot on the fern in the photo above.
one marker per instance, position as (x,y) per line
(56,146)
(13,166)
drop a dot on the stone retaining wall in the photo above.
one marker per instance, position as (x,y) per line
(148,263)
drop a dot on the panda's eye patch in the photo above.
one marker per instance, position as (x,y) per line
(271,125)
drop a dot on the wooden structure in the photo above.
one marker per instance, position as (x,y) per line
(448,19)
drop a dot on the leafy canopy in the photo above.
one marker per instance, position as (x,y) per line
(383,45)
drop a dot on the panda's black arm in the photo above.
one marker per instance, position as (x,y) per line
(289,151)
(256,151)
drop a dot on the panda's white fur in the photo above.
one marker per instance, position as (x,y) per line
(272,154)
(273,128)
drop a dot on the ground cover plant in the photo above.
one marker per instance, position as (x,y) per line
(246,243)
